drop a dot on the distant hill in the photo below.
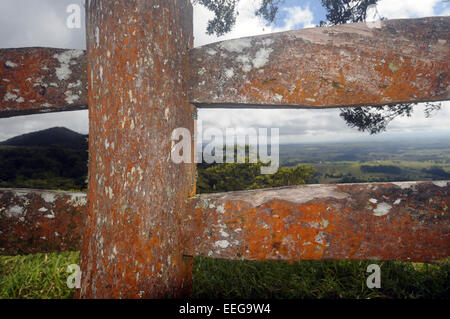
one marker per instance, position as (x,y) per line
(59,136)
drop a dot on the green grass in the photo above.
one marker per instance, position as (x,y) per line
(45,276)
(39,276)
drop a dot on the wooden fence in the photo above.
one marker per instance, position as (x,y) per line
(141,222)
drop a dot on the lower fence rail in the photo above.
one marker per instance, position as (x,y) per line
(407,221)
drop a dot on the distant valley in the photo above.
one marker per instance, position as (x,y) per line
(56,158)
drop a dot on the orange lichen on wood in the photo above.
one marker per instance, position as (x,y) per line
(345,65)
(36,80)
(36,221)
(137,73)
(398,221)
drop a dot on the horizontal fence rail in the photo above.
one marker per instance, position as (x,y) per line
(347,65)
(34,80)
(406,221)
(33,221)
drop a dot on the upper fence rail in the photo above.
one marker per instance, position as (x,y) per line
(346,65)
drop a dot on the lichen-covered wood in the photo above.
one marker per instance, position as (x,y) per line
(137,73)
(36,80)
(346,65)
(34,221)
(408,221)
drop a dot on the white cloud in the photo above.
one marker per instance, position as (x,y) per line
(75,120)
(401,9)
(28,22)
(297,18)
(247,24)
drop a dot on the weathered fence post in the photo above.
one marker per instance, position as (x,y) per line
(137,52)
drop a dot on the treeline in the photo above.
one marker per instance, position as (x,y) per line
(239,176)
(60,168)
(383,169)
(52,167)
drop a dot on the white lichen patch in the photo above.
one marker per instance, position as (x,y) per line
(77,199)
(167,113)
(71,85)
(65,59)
(246,68)
(237,45)
(278,98)
(109,192)
(382,209)
(320,237)
(373,200)
(50,216)
(10,64)
(397,201)
(43,209)
(262,57)
(97,36)
(222,243)
(70,97)
(229,73)
(441,183)
(267,42)
(405,185)
(15,211)
(223,234)
(202,71)
(9,97)
(48,197)
(221,209)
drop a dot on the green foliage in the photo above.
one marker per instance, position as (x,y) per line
(371,119)
(245,176)
(345,11)
(50,167)
(224,15)
(375,119)
(269,9)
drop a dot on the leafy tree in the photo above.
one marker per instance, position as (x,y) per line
(372,119)
(345,11)
(227,177)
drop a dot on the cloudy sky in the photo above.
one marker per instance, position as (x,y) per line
(26,23)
